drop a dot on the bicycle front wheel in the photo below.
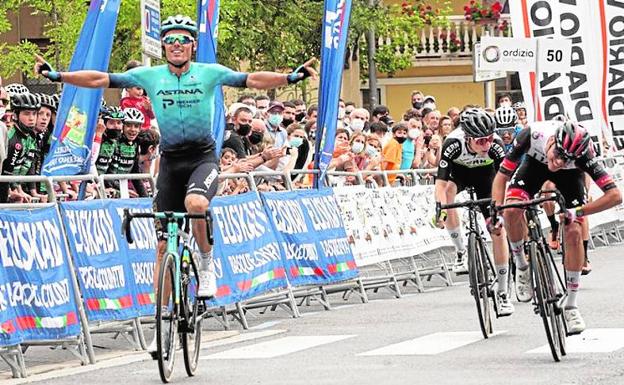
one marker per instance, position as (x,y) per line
(191,336)
(166,318)
(479,285)
(544,300)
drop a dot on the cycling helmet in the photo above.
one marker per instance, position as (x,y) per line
(21,102)
(134,116)
(178,22)
(519,106)
(114,113)
(506,117)
(56,99)
(572,140)
(16,89)
(46,101)
(477,123)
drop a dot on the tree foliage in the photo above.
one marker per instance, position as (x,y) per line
(267,35)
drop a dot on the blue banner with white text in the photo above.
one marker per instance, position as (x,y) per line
(312,236)
(116,278)
(38,285)
(333,45)
(78,110)
(9,334)
(246,253)
(208,21)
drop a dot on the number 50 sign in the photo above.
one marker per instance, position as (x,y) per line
(554,55)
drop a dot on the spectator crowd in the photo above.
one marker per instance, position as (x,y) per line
(261,135)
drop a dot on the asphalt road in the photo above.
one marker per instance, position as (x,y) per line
(422,338)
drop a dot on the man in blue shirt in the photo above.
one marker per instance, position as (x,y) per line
(182,94)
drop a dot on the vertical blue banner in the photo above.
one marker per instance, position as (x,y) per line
(333,44)
(79,107)
(38,283)
(312,236)
(246,252)
(208,20)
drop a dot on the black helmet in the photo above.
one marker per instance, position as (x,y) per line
(477,123)
(572,140)
(22,102)
(56,99)
(47,101)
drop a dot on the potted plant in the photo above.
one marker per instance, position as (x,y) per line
(480,13)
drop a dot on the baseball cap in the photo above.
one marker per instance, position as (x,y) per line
(237,106)
(429,97)
(276,105)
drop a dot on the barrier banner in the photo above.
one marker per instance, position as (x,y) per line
(247,254)
(312,237)
(38,284)
(141,254)
(389,223)
(9,334)
(94,237)
(79,107)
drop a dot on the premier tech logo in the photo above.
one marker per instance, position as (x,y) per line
(494,53)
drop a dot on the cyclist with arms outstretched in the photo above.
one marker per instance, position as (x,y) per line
(560,151)
(183,94)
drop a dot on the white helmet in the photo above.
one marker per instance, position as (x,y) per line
(134,116)
(16,89)
(506,117)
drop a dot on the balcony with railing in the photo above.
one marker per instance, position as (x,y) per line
(450,44)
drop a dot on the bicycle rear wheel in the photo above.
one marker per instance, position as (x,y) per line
(191,336)
(166,318)
(543,299)
(479,285)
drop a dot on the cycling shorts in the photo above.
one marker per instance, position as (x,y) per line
(531,175)
(480,178)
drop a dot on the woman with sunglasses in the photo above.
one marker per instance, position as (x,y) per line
(560,151)
(470,156)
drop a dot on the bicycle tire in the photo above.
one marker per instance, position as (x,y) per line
(191,340)
(166,323)
(541,296)
(478,286)
(556,312)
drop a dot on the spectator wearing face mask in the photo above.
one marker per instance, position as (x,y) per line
(258,130)
(300,110)
(288,116)
(4,139)
(358,149)
(238,130)
(413,147)
(296,139)
(417,100)
(429,102)
(358,120)
(380,114)
(274,123)
(393,150)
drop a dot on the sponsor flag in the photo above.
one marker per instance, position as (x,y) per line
(334,41)
(78,111)
(208,20)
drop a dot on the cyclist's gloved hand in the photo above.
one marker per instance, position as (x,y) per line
(439,217)
(572,214)
(44,68)
(494,224)
(302,72)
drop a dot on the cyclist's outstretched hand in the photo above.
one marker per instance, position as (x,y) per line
(44,68)
(303,72)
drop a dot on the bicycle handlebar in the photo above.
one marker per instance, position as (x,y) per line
(168,216)
(471,203)
(556,196)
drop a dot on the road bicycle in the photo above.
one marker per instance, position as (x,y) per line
(480,264)
(548,282)
(179,313)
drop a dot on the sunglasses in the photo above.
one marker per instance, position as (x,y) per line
(5,102)
(178,37)
(484,140)
(504,131)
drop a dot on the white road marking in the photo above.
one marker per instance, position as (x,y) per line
(265,325)
(431,344)
(242,338)
(590,341)
(275,348)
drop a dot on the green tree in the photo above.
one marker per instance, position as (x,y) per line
(268,35)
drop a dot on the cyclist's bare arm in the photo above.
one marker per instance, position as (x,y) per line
(610,198)
(87,78)
(268,80)
(498,188)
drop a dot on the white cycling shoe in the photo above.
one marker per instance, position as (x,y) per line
(207,282)
(574,321)
(461,263)
(505,307)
